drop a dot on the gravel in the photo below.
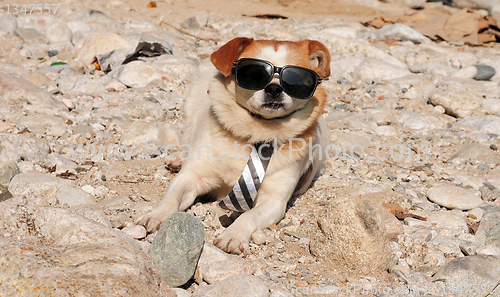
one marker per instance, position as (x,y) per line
(82,156)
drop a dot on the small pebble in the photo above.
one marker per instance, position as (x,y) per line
(135,231)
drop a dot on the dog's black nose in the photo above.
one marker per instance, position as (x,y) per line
(273,90)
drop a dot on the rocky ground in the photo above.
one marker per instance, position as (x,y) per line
(408,203)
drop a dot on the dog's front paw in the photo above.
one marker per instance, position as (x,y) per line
(152,220)
(233,241)
(174,161)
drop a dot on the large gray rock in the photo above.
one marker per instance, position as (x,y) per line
(177,248)
(63,254)
(350,233)
(454,197)
(470,276)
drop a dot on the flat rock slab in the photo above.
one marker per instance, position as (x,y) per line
(35,184)
(177,248)
(454,197)
(59,253)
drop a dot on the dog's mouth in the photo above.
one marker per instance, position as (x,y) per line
(273,105)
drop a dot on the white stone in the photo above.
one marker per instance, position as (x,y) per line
(485,124)
(453,197)
(435,258)
(468,72)
(424,122)
(138,74)
(175,68)
(375,70)
(220,270)
(116,85)
(181,292)
(446,220)
(135,231)
(457,101)
(401,32)
(412,222)
(100,43)
(492,106)
(439,109)
(89,189)
(490,249)
(140,134)
(8,23)
(73,196)
(58,32)
(387,131)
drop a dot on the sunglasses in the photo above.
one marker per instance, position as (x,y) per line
(297,82)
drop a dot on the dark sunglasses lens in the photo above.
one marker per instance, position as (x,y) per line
(253,75)
(298,82)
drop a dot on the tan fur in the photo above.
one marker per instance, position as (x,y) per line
(216,108)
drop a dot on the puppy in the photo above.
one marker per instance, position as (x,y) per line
(262,91)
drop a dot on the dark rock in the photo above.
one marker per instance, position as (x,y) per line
(177,248)
(484,72)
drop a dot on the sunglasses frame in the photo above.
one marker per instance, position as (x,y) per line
(279,71)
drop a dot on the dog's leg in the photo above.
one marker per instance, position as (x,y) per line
(181,193)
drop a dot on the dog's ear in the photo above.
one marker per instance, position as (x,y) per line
(319,57)
(224,57)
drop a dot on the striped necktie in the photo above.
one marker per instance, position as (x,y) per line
(243,194)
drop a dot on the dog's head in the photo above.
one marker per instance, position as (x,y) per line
(257,86)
